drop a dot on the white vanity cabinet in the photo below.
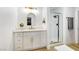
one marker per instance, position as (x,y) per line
(36,40)
(17,38)
(43,38)
(29,40)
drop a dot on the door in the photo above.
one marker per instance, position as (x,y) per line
(18,40)
(43,38)
(55,29)
(36,40)
(27,41)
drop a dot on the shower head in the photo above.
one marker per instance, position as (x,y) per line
(55,16)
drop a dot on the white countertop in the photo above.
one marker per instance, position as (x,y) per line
(29,30)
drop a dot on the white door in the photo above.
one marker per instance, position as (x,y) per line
(53,27)
(36,40)
(43,38)
(18,37)
(18,43)
(27,41)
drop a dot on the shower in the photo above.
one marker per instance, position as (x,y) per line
(55,28)
(57,24)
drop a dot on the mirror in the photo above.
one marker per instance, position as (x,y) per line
(29,21)
(31,18)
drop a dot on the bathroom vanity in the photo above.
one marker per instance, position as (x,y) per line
(29,39)
(31,31)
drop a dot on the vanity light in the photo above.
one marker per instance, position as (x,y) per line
(31,10)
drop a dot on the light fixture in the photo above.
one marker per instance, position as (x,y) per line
(31,10)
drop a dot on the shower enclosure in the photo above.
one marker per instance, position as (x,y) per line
(57,24)
(55,27)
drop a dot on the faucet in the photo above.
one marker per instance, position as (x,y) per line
(30,27)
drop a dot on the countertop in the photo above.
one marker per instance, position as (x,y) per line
(29,30)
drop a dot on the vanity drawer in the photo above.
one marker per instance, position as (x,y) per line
(18,42)
(18,46)
(18,34)
(18,39)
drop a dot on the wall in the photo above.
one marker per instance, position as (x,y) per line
(56,9)
(76,25)
(44,16)
(8,19)
(22,16)
(68,35)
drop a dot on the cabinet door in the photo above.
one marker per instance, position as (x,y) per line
(36,40)
(27,42)
(18,41)
(43,38)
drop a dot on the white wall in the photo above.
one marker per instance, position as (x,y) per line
(68,35)
(44,16)
(56,9)
(76,25)
(8,19)
(22,16)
